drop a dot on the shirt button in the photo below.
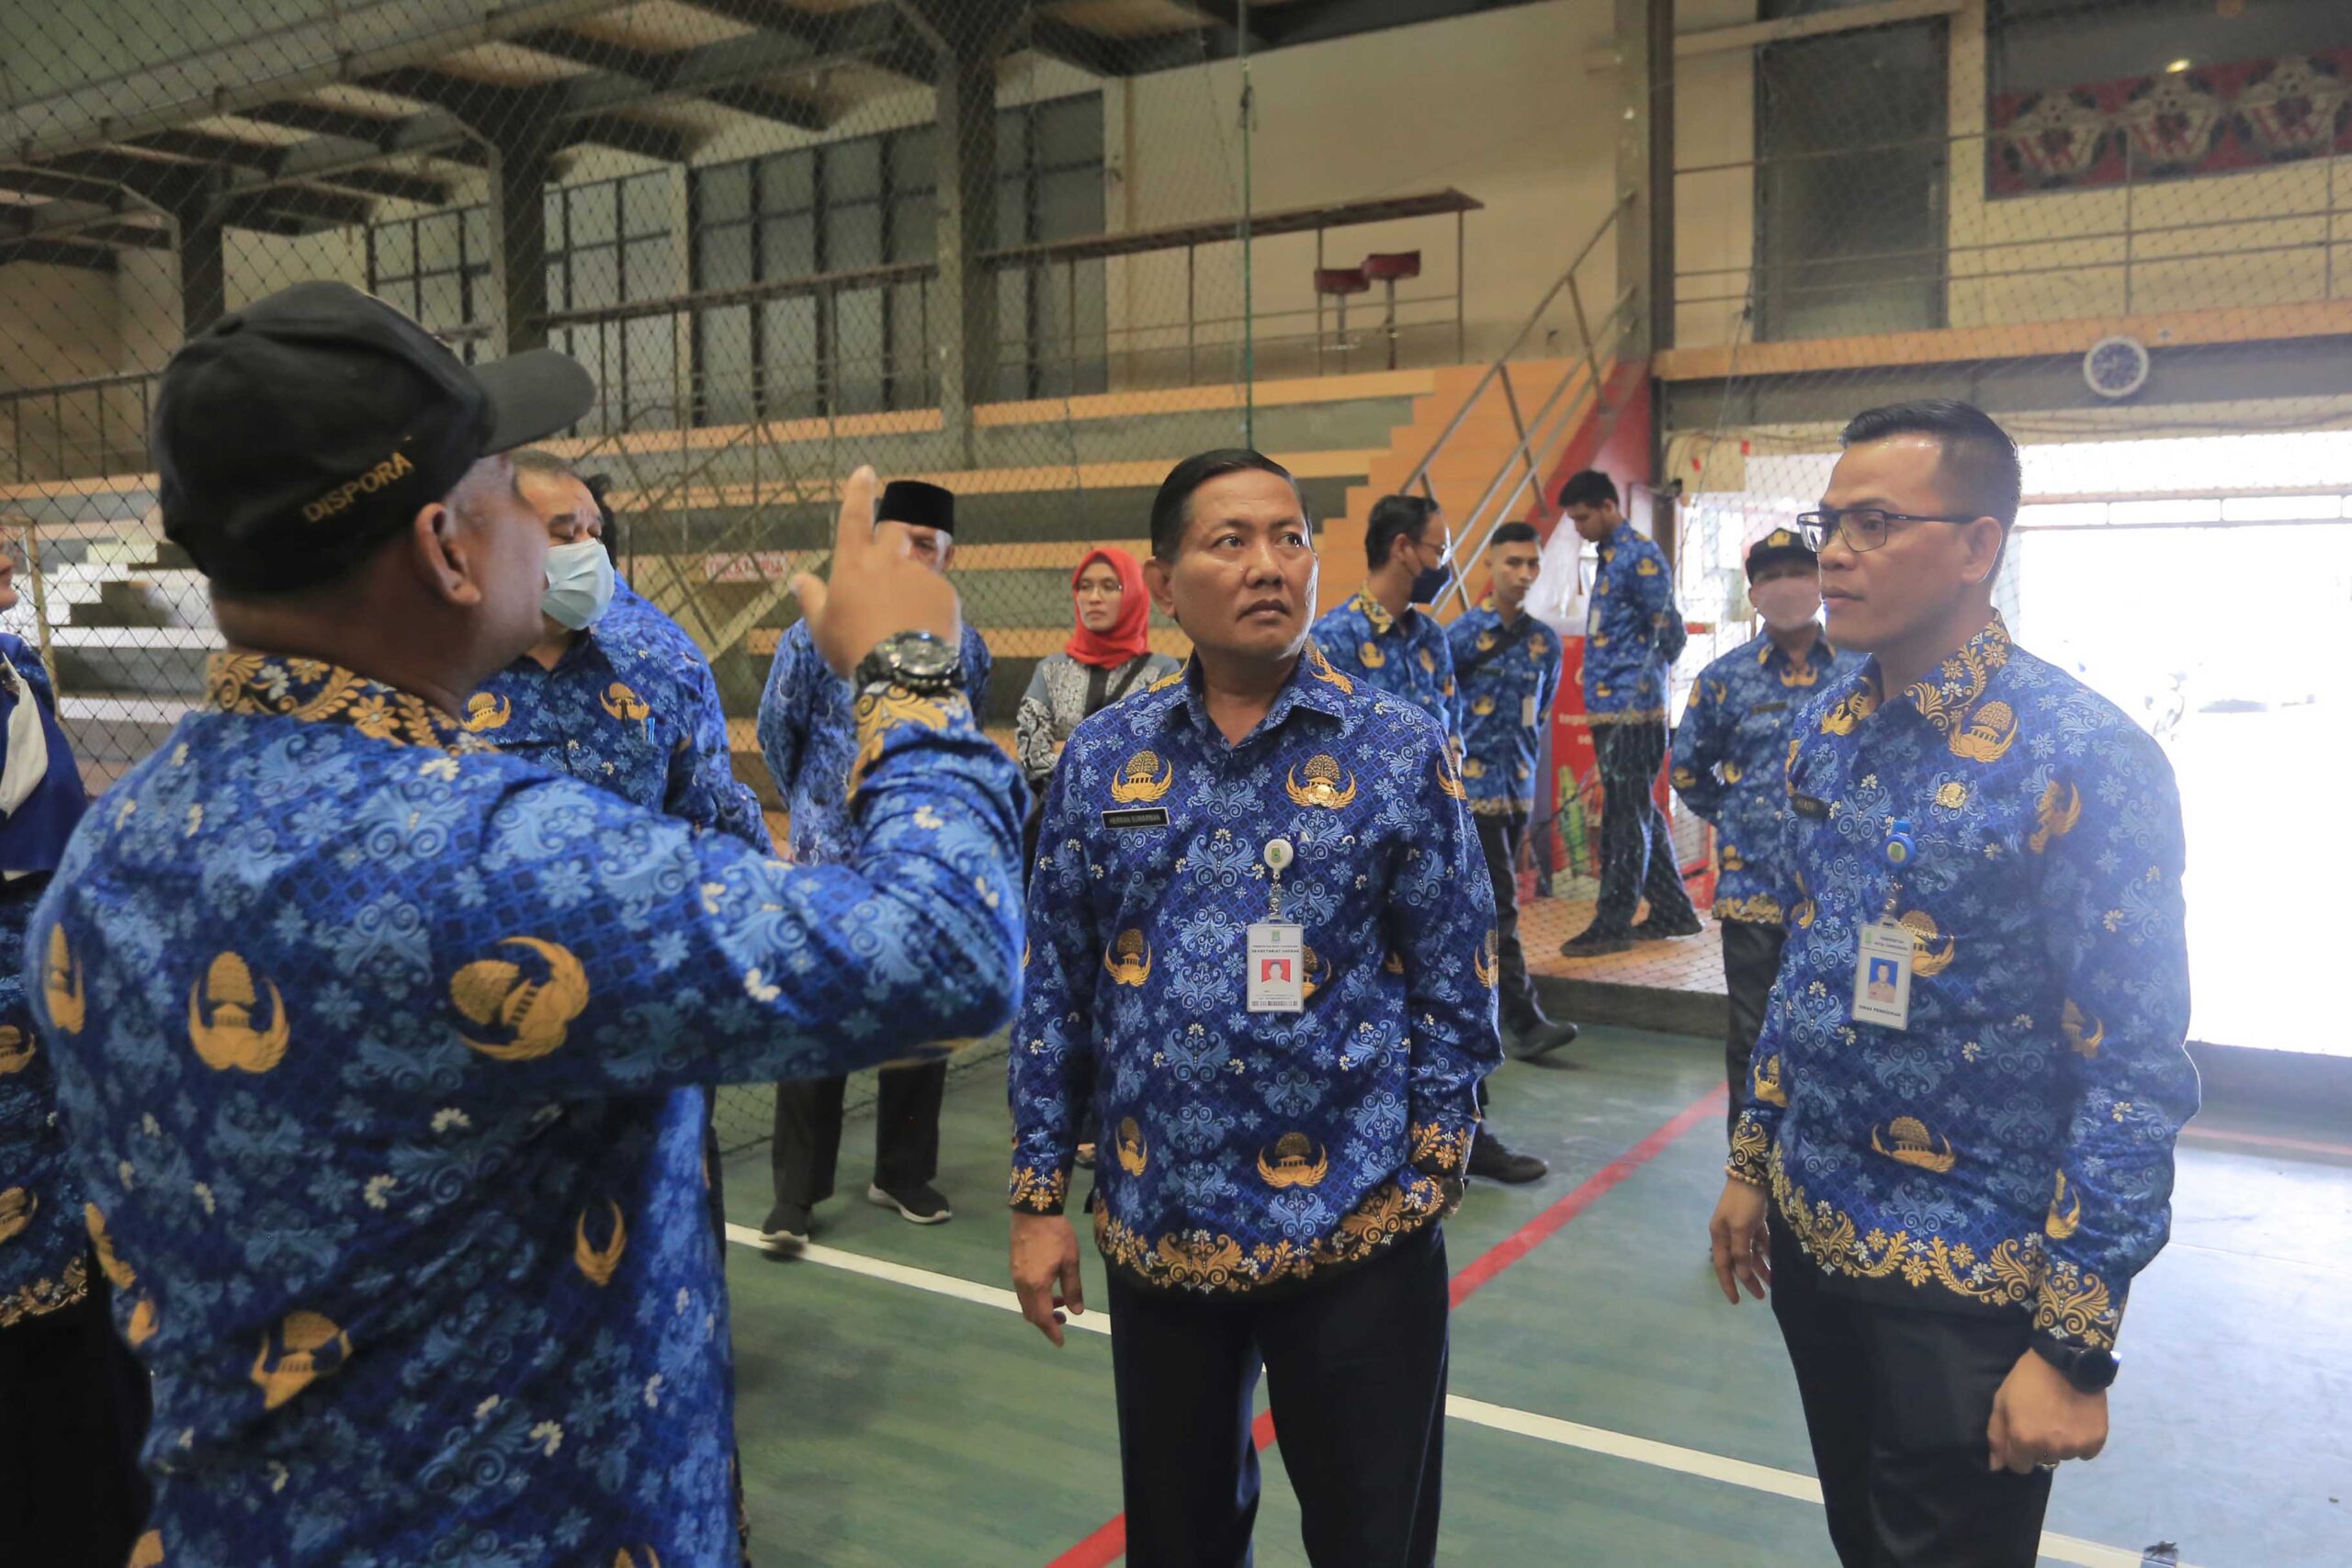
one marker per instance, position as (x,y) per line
(574,745)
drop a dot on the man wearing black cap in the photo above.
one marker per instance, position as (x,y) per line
(367,1035)
(1729,754)
(808,732)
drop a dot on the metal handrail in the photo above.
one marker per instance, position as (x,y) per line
(1420,476)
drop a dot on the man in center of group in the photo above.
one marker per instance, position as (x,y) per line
(1260,930)
(808,732)
(1387,638)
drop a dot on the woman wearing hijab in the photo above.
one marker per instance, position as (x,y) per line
(1106,657)
(72,1400)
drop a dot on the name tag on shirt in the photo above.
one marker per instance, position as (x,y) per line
(1277,967)
(1527,712)
(1127,819)
(1882,977)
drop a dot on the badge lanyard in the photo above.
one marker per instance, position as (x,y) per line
(1882,962)
(1276,977)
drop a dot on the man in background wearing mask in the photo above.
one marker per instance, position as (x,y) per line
(1382,636)
(808,734)
(1633,636)
(1388,639)
(367,1035)
(1730,755)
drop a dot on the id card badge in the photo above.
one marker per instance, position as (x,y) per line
(1277,967)
(1882,977)
(1527,712)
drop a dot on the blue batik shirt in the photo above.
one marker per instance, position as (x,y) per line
(1247,1151)
(44,1246)
(367,1039)
(632,707)
(808,735)
(1731,754)
(1404,655)
(2012,1150)
(1508,676)
(1632,633)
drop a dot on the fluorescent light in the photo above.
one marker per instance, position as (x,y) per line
(2282,508)
(2165,512)
(2063,514)
(2177,67)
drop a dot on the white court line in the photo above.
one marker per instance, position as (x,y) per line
(1788,1484)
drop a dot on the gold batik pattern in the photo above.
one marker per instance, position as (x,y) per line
(2008,1276)
(1203,1260)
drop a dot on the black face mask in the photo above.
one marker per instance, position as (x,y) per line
(1432,583)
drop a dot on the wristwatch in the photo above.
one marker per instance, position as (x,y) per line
(2088,1369)
(926,665)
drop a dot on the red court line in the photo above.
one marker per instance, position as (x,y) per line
(1108,1543)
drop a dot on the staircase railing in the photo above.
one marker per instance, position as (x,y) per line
(1540,437)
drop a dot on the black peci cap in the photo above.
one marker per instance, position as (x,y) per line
(294,436)
(914,501)
(1780,544)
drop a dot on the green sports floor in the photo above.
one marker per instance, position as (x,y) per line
(1607,1406)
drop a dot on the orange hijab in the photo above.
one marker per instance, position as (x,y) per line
(1130,637)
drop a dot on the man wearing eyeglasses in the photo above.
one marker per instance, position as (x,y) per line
(1956,1149)
(1633,636)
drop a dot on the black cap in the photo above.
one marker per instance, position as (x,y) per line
(914,501)
(294,436)
(1780,544)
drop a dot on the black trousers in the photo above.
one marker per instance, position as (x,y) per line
(1896,1400)
(1499,836)
(1356,1370)
(1636,844)
(1752,958)
(906,1132)
(74,1409)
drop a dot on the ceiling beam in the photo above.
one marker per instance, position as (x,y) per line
(434,132)
(625,135)
(392,184)
(298,202)
(876,34)
(63,220)
(58,253)
(614,59)
(203,148)
(57,185)
(1076,46)
(761,102)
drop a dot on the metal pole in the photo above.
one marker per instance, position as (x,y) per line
(1461,260)
(1248,278)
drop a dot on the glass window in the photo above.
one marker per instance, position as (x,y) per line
(912,164)
(480,248)
(724,193)
(646,202)
(596,277)
(788,182)
(395,251)
(441,301)
(650,346)
(723,358)
(436,241)
(651,269)
(853,169)
(1069,131)
(914,227)
(727,256)
(853,237)
(787,247)
(595,213)
(558,299)
(1070,203)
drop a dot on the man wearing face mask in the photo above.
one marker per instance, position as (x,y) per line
(369,1036)
(1388,638)
(1633,636)
(614,694)
(809,734)
(1729,753)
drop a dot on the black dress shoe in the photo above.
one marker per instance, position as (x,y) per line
(1495,1160)
(1540,1036)
(1655,930)
(1594,944)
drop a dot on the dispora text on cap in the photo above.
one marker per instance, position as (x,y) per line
(395,467)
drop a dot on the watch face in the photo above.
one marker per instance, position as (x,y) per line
(921,656)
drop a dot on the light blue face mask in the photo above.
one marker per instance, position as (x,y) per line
(580,584)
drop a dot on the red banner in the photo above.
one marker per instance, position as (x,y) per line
(2212,120)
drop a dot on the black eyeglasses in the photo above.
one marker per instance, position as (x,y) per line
(1861,527)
